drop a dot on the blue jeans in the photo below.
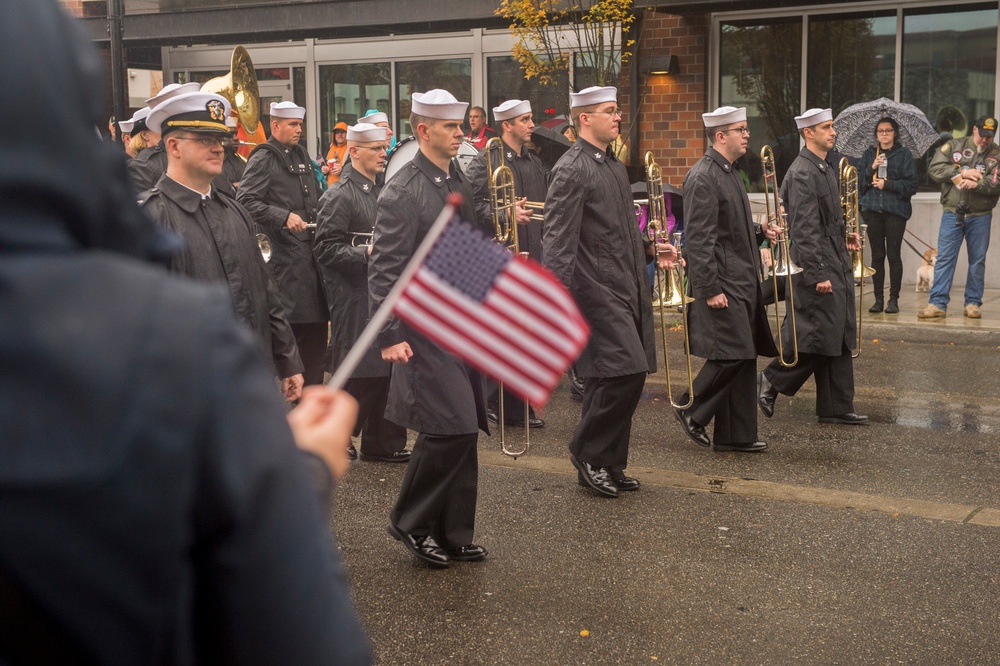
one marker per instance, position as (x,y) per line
(976,233)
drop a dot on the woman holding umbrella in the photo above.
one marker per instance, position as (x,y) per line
(887,179)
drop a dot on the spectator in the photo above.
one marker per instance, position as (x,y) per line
(337,154)
(152,503)
(885,206)
(967,171)
(479,131)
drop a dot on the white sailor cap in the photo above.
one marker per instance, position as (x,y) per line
(374,117)
(125,126)
(438,104)
(724,115)
(172,90)
(193,112)
(512,108)
(287,110)
(813,117)
(593,95)
(139,120)
(364,132)
(231,123)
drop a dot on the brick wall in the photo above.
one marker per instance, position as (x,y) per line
(75,7)
(671,105)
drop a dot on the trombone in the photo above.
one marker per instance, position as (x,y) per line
(783,266)
(503,209)
(853,225)
(669,282)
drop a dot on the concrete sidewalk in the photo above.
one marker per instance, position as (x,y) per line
(910,302)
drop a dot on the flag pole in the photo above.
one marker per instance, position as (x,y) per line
(361,347)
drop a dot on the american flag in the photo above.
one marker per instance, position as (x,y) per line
(508,317)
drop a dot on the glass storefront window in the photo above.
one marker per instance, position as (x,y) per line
(584,74)
(852,59)
(505,80)
(949,69)
(453,75)
(760,67)
(347,91)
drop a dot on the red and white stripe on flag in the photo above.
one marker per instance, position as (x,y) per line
(525,333)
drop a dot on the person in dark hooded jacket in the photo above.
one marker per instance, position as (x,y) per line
(153,505)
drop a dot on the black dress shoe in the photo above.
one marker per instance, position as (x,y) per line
(352,453)
(519,423)
(492,416)
(470,553)
(753,447)
(425,548)
(575,387)
(847,419)
(694,431)
(766,395)
(595,477)
(876,307)
(892,307)
(394,457)
(625,483)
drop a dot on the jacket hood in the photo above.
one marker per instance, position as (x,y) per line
(63,189)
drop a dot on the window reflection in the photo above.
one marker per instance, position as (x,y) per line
(949,70)
(852,59)
(453,75)
(760,67)
(506,80)
(347,91)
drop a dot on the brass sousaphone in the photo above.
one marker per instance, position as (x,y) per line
(239,86)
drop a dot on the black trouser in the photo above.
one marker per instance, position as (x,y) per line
(885,238)
(726,391)
(767,289)
(438,495)
(602,436)
(311,340)
(379,437)
(834,380)
(513,407)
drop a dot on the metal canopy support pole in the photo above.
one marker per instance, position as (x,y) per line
(116,53)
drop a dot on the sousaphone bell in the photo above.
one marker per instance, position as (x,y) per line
(239,86)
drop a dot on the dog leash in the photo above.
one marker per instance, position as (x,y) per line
(928,245)
(915,250)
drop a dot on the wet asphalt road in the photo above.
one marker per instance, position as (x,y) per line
(839,545)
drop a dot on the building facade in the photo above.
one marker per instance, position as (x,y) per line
(340,58)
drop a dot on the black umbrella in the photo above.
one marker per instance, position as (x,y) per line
(856,124)
(552,144)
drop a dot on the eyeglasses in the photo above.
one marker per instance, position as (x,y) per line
(610,112)
(885,131)
(745,131)
(207,141)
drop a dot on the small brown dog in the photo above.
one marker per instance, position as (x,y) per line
(925,274)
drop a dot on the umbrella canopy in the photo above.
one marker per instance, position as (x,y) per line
(855,127)
(551,143)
